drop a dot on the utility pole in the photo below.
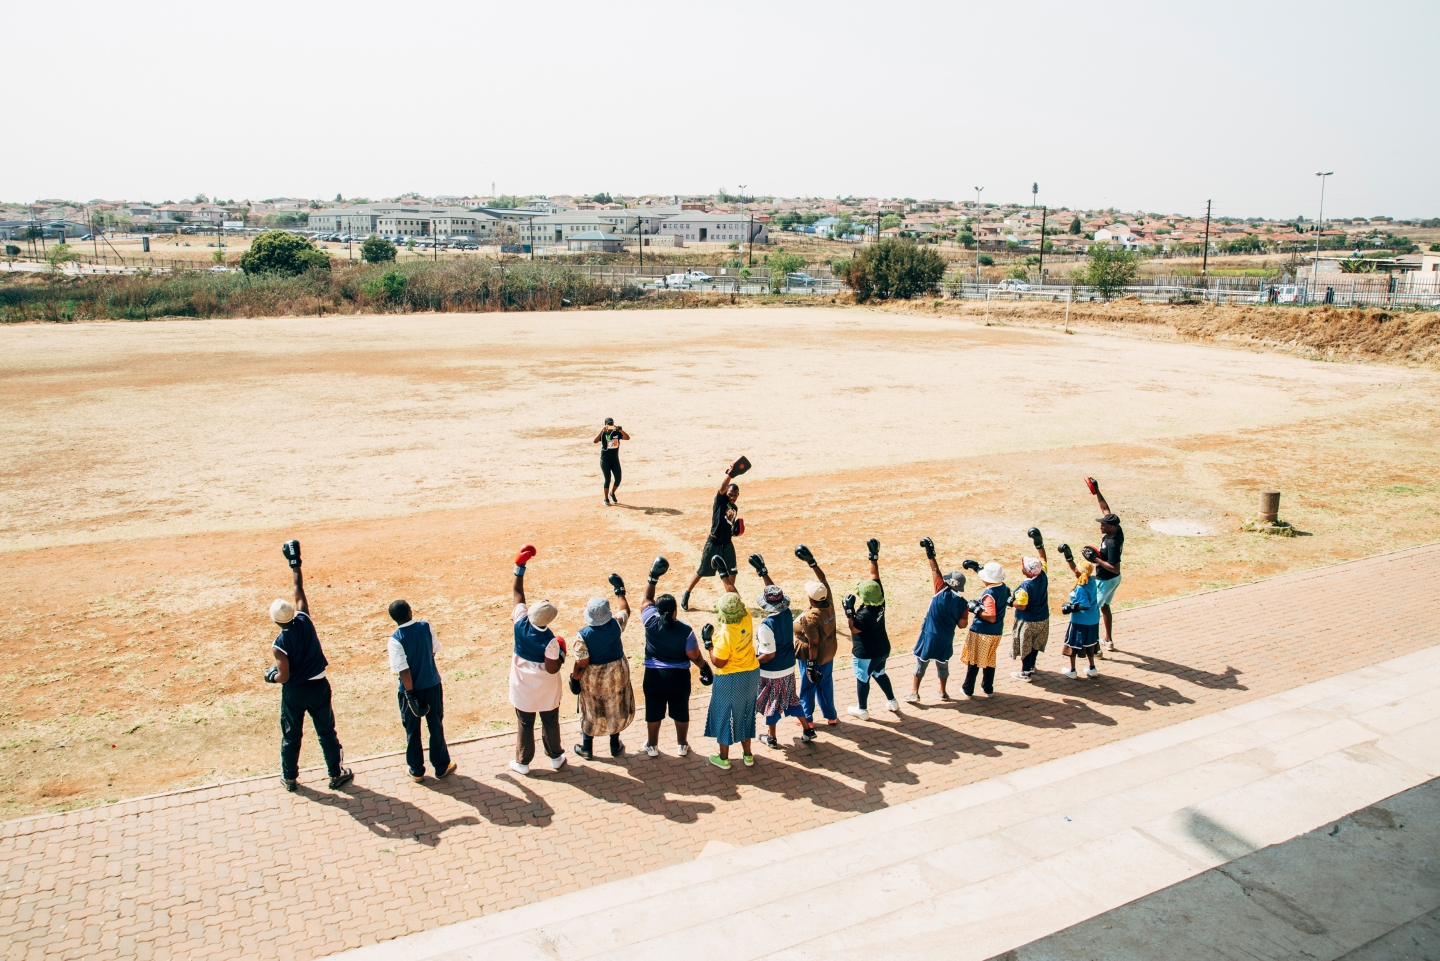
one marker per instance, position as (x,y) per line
(1044,211)
(1319,226)
(1205,251)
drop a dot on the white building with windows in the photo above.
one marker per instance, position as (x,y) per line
(707,228)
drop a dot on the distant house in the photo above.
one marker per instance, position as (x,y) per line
(707,228)
(825,226)
(595,241)
(1120,234)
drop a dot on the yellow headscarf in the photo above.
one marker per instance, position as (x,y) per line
(1086,569)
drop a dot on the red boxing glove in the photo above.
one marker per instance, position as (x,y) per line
(1090,483)
(526,552)
(739,526)
(561,641)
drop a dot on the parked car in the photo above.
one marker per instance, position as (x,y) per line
(801,279)
(1012,285)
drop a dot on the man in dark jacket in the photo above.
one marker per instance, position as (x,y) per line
(412,650)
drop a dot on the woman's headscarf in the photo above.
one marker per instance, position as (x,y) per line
(870,593)
(731,609)
(1031,566)
(1086,569)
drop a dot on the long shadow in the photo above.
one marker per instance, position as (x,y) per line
(1108,690)
(1229,681)
(648,795)
(668,511)
(498,807)
(1065,714)
(388,817)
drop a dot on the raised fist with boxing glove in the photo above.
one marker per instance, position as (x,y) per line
(758,562)
(849,604)
(291,550)
(523,557)
(929,546)
(1066,553)
(1035,537)
(805,555)
(658,569)
(873,547)
(617,584)
(971,565)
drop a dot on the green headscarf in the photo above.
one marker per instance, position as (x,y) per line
(871,594)
(731,609)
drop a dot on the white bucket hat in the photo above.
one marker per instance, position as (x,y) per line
(597,612)
(992,573)
(282,611)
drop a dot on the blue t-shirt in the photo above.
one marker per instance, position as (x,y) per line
(603,642)
(1038,607)
(299,642)
(1085,594)
(937,634)
(667,648)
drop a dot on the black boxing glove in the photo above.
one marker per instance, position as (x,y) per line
(272,675)
(970,565)
(707,676)
(574,684)
(706,634)
(413,703)
(1067,608)
(758,562)
(1064,550)
(618,584)
(813,673)
(976,606)
(291,550)
(658,569)
(873,546)
(721,568)
(929,546)
(1035,537)
(805,555)
(849,605)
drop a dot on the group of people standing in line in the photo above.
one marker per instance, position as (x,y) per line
(749,659)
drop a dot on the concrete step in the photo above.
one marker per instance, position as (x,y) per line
(978,870)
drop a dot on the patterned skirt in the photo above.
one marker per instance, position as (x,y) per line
(776,695)
(1029,636)
(731,717)
(607,699)
(980,649)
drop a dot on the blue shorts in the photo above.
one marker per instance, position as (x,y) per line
(1105,590)
(865,669)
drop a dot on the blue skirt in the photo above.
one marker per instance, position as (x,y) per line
(932,648)
(1082,638)
(731,718)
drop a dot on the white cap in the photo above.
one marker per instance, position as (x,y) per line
(542,613)
(282,611)
(816,591)
(992,573)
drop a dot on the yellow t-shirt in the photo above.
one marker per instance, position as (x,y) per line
(736,644)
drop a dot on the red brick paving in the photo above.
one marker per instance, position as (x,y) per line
(246,870)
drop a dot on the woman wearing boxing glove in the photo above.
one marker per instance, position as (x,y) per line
(731,717)
(986,627)
(601,675)
(670,648)
(1083,634)
(535,674)
(947,613)
(723,522)
(869,640)
(609,440)
(816,644)
(1032,610)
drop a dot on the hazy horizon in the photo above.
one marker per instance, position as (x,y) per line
(1104,105)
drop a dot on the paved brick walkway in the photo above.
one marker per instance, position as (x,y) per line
(246,870)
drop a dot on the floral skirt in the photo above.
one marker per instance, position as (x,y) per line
(1029,636)
(777,694)
(980,649)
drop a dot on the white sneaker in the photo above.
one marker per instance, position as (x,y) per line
(652,750)
(519,768)
(912,698)
(893,705)
(1109,644)
(684,750)
(1093,672)
(858,711)
(1021,676)
(1069,673)
(556,763)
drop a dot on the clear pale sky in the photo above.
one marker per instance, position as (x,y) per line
(1144,106)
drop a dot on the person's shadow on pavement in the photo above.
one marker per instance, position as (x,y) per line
(386,816)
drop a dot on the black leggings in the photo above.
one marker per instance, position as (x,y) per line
(862,690)
(610,466)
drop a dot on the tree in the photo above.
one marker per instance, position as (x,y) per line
(894,269)
(60,255)
(281,252)
(218,257)
(390,286)
(891,220)
(1075,226)
(1111,268)
(966,238)
(985,260)
(201,199)
(1017,272)
(339,199)
(507,202)
(377,250)
(781,266)
(602,198)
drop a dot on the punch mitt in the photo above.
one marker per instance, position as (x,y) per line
(1089,554)
(738,527)
(1094,486)
(741,465)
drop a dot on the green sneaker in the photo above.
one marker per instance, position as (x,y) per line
(749,760)
(723,763)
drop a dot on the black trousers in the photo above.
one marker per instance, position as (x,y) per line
(610,467)
(434,721)
(297,699)
(987,680)
(549,734)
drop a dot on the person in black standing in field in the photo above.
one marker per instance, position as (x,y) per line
(1106,558)
(299,669)
(609,440)
(725,523)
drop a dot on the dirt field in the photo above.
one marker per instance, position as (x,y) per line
(152,470)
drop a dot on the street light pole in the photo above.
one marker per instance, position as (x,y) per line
(1319,227)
